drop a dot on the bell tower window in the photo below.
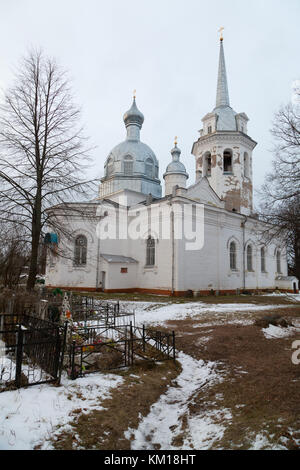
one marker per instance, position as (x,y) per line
(227,161)
(246,165)
(207,164)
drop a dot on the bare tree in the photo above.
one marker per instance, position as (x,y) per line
(283,182)
(43,151)
(14,255)
(280,194)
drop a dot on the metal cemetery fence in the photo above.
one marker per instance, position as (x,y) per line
(98,336)
(103,347)
(31,351)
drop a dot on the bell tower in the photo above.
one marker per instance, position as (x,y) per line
(223,152)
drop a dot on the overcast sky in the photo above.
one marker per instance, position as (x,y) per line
(168,51)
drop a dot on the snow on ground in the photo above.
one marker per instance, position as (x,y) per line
(157,313)
(279,332)
(30,416)
(164,422)
(295,297)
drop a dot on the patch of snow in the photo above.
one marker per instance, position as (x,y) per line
(261,442)
(30,416)
(154,313)
(279,332)
(163,423)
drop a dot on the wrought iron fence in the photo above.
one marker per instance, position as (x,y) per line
(31,351)
(103,347)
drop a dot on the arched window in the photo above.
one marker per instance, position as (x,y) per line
(246,165)
(149,167)
(263,260)
(128,165)
(80,250)
(232,255)
(249,258)
(278,261)
(150,251)
(109,167)
(207,164)
(227,161)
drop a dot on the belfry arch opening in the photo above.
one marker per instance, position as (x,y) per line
(227,161)
(207,164)
(246,165)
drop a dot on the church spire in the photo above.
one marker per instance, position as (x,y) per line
(222,87)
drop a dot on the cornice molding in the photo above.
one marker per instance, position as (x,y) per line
(223,136)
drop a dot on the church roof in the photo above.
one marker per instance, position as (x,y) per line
(132,150)
(222,86)
(225,114)
(133,116)
(118,258)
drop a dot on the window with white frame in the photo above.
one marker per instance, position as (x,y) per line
(149,168)
(232,256)
(150,251)
(128,166)
(249,258)
(80,250)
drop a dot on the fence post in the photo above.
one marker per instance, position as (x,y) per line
(131,344)
(73,375)
(19,356)
(125,347)
(1,325)
(62,351)
(144,348)
(174,354)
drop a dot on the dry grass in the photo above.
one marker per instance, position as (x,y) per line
(104,430)
(210,299)
(261,385)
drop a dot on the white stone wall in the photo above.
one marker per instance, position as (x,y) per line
(173,180)
(205,269)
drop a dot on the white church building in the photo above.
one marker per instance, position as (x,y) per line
(197,239)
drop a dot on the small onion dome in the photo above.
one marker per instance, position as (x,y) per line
(133,116)
(176,167)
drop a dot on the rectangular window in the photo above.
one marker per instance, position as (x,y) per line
(209,129)
(124,270)
(128,168)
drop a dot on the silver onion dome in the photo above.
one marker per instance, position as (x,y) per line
(133,116)
(176,167)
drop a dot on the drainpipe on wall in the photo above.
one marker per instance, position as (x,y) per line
(97,267)
(172,250)
(98,253)
(244,264)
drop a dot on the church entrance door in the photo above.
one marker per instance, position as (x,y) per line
(103,273)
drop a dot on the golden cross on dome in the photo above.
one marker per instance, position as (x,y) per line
(221,32)
(175,140)
(134,94)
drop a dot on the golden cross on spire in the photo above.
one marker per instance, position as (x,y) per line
(134,94)
(221,32)
(175,140)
